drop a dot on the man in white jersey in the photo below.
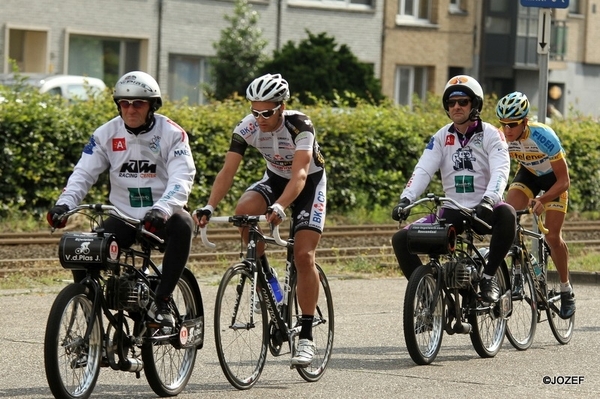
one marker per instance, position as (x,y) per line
(472,157)
(151,171)
(295,178)
(542,166)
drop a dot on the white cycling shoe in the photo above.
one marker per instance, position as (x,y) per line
(304,353)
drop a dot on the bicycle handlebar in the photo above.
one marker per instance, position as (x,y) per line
(469,212)
(102,208)
(275,236)
(538,219)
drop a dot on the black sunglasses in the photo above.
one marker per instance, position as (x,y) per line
(461,101)
(266,114)
(137,104)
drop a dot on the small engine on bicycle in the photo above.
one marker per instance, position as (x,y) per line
(127,292)
(460,273)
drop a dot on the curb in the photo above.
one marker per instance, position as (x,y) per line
(583,277)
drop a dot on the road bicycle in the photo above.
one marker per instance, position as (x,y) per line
(441,295)
(106,319)
(534,292)
(248,320)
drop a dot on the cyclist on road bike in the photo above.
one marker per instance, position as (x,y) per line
(473,159)
(295,178)
(151,174)
(542,166)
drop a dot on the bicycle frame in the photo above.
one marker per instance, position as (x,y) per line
(441,296)
(277,314)
(106,298)
(543,252)
(465,248)
(105,320)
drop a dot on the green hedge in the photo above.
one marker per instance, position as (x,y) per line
(370,151)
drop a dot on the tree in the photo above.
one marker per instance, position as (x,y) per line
(316,69)
(239,52)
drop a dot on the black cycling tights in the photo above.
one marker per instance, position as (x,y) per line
(178,240)
(503,232)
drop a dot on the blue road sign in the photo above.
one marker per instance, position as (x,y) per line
(545,3)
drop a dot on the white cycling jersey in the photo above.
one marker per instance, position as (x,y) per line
(296,133)
(154,169)
(471,168)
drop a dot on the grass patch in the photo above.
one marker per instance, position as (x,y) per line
(40,281)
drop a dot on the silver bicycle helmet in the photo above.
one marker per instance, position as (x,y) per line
(138,85)
(272,88)
(513,106)
(470,87)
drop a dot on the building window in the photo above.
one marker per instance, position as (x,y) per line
(417,10)
(574,7)
(189,76)
(104,58)
(337,3)
(28,48)
(408,82)
(527,37)
(455,7)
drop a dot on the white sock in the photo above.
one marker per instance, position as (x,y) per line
(565,287)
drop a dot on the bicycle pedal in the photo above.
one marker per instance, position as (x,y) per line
(505,305)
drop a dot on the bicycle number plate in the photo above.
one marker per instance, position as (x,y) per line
(191,333)
(85,250)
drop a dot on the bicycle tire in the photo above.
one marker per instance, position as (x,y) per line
(72,364)
(241,346)
(423,329)
(168,369)
(522,324)
(488,328)
(562,329)
(323,327)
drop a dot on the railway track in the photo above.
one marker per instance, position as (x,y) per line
(339,244)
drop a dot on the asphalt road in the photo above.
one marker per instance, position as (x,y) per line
(369,358)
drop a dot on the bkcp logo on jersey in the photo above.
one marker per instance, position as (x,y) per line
(450,139)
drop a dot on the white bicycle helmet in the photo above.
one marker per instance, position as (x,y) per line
(268,87)
(513,106)
(470,87)
(138,85)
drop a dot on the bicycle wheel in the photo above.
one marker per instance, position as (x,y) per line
(423,319)
(521,326)
(167,368)
(322,331)
(241,343)
(488,328)
(72,362)
(562,329)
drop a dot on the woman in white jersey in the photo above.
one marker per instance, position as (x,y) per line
(472,157)
(295,178)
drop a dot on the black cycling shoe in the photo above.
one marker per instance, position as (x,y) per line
(567,305)
(490,292)
(163,315)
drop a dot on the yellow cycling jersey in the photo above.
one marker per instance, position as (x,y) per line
(537,148)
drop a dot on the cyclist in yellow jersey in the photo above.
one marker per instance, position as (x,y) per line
(542,166)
